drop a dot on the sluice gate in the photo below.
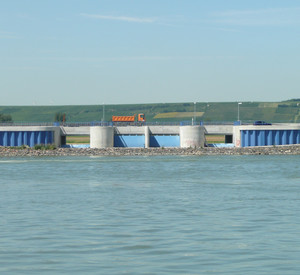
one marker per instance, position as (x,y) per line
(29,138)
(268,135)
(30,135)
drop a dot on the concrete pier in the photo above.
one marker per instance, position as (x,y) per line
(191,136)
(101,137)
(147,137)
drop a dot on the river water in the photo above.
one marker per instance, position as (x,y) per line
(150,215)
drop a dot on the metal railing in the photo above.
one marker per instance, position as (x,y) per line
(109,123)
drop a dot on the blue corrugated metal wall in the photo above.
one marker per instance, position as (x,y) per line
(129,141)
(139,141)
(164,141)
(30,138)
(269,137)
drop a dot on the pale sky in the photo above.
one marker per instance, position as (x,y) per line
(74,52)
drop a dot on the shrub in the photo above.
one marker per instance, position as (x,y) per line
(5,118)
(37,147)
(44,147)
(18,147)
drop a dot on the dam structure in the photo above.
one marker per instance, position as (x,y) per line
(147,136)
(154,135)
(107,135)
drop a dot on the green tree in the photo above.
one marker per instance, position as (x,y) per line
(60,117)
(5,118)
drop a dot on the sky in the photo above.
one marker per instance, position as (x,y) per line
(75,52)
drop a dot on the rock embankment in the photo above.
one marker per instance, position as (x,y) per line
(270,150)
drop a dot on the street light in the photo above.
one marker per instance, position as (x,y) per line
(195,112)
(239,103)
(103,115)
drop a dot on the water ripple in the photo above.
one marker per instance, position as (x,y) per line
(150,215)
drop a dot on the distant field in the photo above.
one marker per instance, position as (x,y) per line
(215,139)
(179,114)
(78,139)
(284,111)
(268,105)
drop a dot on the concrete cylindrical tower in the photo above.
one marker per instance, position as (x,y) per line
(101,137)
(191,136)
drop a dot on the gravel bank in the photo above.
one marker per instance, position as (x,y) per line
(270,150)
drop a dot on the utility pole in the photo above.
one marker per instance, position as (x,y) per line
(195,112)
(103,115)
(239,103)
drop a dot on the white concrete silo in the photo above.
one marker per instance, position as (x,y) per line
(101,137)
(192,136)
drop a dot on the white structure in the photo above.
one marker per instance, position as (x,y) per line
(101,137)
(147,137)
(191,136)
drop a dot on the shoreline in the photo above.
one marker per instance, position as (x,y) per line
(206,151)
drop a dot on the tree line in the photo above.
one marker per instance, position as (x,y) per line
(5,118)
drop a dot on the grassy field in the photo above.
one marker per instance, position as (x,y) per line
(78,139)
(285,111)
(215,139)
(179,115)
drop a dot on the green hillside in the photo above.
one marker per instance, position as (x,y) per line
(286,111)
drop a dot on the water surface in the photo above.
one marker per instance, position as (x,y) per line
(150,215)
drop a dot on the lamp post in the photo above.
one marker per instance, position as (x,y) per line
(239,103)
(195,112)
(103,115)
